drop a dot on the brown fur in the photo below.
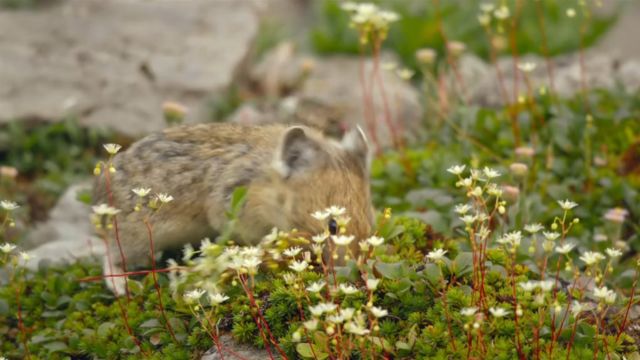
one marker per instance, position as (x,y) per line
(289,173)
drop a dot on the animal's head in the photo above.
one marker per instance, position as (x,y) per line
(309,173)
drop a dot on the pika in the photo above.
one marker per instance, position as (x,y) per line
(289,172)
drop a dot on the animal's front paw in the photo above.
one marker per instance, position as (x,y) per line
(116,283)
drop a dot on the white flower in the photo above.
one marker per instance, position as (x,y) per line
(571,12)
(550,236)
(349,6)
(513,238)
(25,256)
(320,238)
(7,248)
(298,266)
(546,285)
(613,253)
(311,324)
(528,286)
(462,209)
(469,219)
(336,319)
(164,198)
(142,192)
(456,169)
(320,215)
(347,313)
(348,289)
(604,293)
(357,329)
(251,263)
(591,257)
(316,286)
(104,209)
(405,73)
(378,312)
(436,255)
(533,228)
(528,66)
(292,252)
(194,295)
(375,240)
(565,249)
(112,148)
(502,12)
(251,251)
(468,311)
(466,182)
(217,298)
(567,204)
(322,308)
(487,7)
(9,205)
(578,307)
(336,211)
(342,240)
(498,312)
(372,284)
(490,173)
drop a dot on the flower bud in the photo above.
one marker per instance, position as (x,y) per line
(519,169)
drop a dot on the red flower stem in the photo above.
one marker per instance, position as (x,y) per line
(23,330)
(155,279)
(123,258)
(628,308)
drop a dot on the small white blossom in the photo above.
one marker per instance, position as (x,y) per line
(527,67)
(347,313)
(436,255)
(292,252)
(567,204)
(165,198)
(466,182)
(316,286)
(141,192)
(468,219)
(336,211)
(311,324)
(372,284)
(490,173)
(613,253)
(320,215)
(7,248)
(342,240)
(513,238)
(462,209)
(502,12)
(194,295)
(217,298)
(604,294)
(251,263)
(322,308)
(468,311)
(498,312)
(348,289)
(546,285)
(9,205)
(550,236)
(378,312)
(457,169)
(591,257)
(25,256)
(375,240)
(356,329)
(112,148)
(533,228)
(104,209)
(578,307)
(298,266)
(320,238)
(528,286)
(566,248)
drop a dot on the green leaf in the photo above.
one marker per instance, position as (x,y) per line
(463,264)
(309,351)
(393,271)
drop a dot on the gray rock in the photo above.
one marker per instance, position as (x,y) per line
(67,235)
(113,63)
(244,351)
(600,71)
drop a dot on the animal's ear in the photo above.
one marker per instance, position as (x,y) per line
(296,151)
(355,142)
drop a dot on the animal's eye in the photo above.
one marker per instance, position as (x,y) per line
(333,227)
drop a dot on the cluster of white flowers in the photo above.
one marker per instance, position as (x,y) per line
(368,16)
(9,205)
(244,259)
(604,294)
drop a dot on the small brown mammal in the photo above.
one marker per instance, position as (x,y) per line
(289,172)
